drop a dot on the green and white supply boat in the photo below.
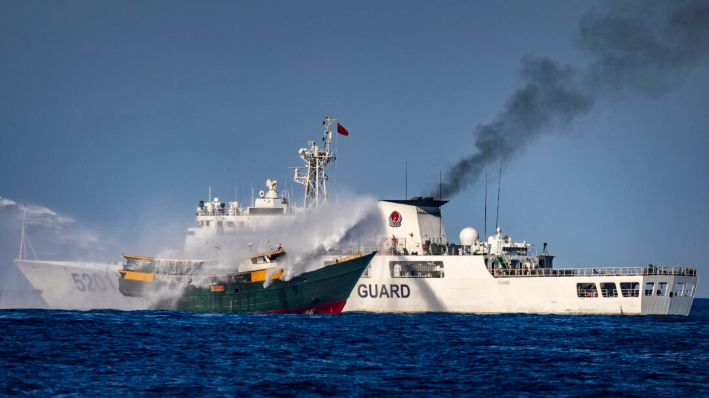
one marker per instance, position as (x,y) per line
(254,285)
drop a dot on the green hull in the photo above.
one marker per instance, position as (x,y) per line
(321,291)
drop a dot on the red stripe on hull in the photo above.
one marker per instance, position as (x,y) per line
(329,308)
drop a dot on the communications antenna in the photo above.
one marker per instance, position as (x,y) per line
(485,227)
(499,183)
(313,174)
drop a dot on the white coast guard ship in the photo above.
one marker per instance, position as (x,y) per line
(417,270)
(74,285)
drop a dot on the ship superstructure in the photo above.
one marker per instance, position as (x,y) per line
(418,270)
(215,218)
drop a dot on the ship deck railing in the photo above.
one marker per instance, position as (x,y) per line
(608,292)
(290,210)
(345,257)
(593,293)
(583,272)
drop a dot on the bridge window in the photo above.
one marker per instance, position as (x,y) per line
(416,269)
(586,290)
(630,289)
(190,233)
(662,288)
(689,290)
(609,290)
(648,288)
(679,289)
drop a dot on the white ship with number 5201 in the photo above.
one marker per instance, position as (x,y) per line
(74,285)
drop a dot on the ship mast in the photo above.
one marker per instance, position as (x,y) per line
(23,238)
(313,176)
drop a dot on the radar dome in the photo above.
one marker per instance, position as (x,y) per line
(468,236)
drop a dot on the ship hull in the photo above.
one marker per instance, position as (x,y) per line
(67,285)
(466,286)
(323,291)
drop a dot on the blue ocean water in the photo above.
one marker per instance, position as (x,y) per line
(147,353)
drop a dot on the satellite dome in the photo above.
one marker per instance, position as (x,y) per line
(468,236)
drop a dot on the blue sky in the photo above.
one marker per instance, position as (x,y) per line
(117,116)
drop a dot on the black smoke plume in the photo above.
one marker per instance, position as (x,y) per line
(548,99)
(637,48)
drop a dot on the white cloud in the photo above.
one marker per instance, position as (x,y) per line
(54,236)
(6,202)
(39,210)
(33,214)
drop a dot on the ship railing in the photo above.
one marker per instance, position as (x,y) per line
(345,257)
(587,293)
(221,212)
(369,249)
(537,252)
(290,210)
(391,245)
(606,271)
(385,249)
(667,270)
(591,293)
(630,292)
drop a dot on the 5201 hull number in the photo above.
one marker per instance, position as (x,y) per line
(92,282)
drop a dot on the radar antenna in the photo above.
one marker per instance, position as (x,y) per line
(313,176)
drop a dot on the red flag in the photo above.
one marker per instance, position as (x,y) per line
(341,130)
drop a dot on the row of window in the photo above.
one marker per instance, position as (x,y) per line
(416,269)
(632,289)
